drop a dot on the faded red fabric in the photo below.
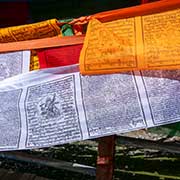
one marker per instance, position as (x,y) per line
(14,13)
(61,56)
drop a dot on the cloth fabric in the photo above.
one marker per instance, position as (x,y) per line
(48,28)
(66,30)
(34,61)
(132,43)
(78,29)
(60,56)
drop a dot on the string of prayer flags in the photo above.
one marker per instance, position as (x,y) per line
(48,28)
(68,107)
(61,56)
(65,105)
(136,43)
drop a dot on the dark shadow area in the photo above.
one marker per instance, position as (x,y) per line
(41,10)
(129,161)
(18,12)
(77,153)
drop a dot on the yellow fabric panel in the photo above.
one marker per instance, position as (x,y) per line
(34,62)
(48,28)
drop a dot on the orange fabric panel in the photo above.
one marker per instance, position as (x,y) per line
(38,30)
(136,43)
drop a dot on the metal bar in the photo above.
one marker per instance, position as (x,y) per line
(105,160)
(74,167)
(148,144)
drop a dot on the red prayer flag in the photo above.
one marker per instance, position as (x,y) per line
(61,56)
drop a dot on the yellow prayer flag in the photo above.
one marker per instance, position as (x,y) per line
(34,61)
(48,28)
(142,42)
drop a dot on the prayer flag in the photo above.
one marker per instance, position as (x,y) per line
(61,56)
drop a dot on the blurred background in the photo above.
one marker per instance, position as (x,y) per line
(17,12)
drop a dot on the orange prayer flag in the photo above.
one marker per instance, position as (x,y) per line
(136,43)
(103,48)
(48,28)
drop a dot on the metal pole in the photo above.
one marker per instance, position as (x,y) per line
(105,159)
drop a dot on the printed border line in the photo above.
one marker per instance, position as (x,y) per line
(127,68)
(135,46)
(149,104)
(143,40)
(19,113)
(83,106)
(165,65)
(22,60)
(73,76)
(139,97)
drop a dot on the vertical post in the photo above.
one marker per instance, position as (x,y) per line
(105,159)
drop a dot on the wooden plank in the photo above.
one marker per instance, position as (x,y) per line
(41,43)
(105,160)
